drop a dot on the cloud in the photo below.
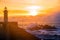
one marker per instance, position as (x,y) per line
(22,3)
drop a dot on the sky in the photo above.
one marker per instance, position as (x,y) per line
(22,5)
(44,9)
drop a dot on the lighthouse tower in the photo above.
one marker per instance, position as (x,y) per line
(6,28)
(5,16)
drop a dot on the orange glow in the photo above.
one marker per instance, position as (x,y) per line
(33,10)
(28,7)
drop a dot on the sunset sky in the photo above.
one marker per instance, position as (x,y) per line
(31,11)
(29,7)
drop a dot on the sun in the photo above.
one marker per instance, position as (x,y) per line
(33,10)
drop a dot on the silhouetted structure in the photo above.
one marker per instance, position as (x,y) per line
(5,31)
(5,17)
(15,33)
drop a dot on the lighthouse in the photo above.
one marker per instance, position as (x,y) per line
(6,28)
(5,16)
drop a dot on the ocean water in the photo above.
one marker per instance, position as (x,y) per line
(44,34)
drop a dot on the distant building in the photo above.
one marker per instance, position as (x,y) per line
(10,26)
